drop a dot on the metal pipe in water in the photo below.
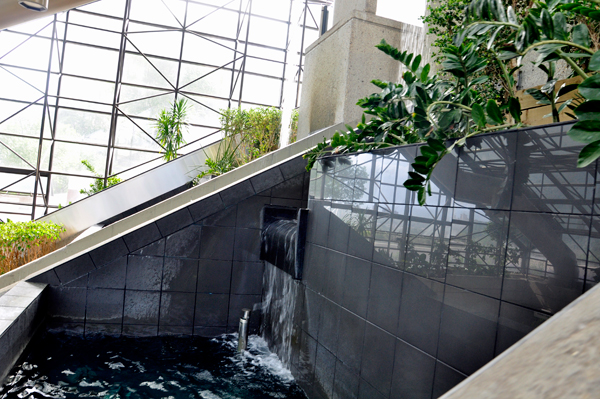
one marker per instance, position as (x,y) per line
(243,330)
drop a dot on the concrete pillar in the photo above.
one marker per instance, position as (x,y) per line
(341,64)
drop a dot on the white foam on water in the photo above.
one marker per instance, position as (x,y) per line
(139,366)
(115,365)
(204,376)
(84,383)
(154,385)
(208,395)
(67,372)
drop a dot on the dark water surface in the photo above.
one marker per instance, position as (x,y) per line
(64,366)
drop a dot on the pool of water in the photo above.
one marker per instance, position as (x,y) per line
(64,366)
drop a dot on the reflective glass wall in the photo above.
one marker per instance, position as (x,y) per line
(88,84)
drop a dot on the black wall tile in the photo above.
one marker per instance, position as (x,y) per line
(378,359)
(351,336)
(248,211)
(48,277)
(141,307)
(206,207)
(514,323)
(290,189)
(325,370)
(312,312)
(239,302)
(67,304)
(366,391)
(175,221)
(223,218)
(293,167)
(184,243)
(267,179)
(247,245)
(214,276)
(384,297)
(104,306)
(140,330)
(217,243)
(420,312)
(142,237)
(211,310)
(413,373)
(104,330)
(334,268)
(468,330)
(110,276)
(445,379)
(144,273)
(235,194)
(155,249)
(180,275)
(177,309)
(109,252)
(74,269)
(357,279)
(209,332)
(329,325)
(247,278)
(345,383)
(318,222)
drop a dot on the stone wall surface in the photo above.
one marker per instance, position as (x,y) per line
(190,272)
(401,300)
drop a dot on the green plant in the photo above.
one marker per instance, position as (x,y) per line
(22,242)
(293,127)
(451,107)
(98,184)
(170,127)
(247,135)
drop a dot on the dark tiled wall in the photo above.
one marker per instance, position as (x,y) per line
(190,272)
(406,301)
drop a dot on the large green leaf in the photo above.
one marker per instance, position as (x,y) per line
(436,144)
(588,111)
(415,63)
(560,26)
(586,131)
(547,24)
(512,17)
(595,62)
(581,35)
(478,115)
(493,112)
(514,107)
(590,88)
(588,154)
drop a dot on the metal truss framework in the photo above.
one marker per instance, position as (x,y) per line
(37,169)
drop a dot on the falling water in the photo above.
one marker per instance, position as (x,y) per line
(279,302)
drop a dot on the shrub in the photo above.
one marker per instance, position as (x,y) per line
(98,184)
(170,127)
(22,242)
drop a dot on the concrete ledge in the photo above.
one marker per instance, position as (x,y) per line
(164,208)
(560,359)
(20,316)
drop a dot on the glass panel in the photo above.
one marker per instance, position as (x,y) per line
(85,89)
(21,84)
(125,159)
(130,135)
(207,112)
(94,36)
(149,108)
(279,9)
(90,61)
(169,12)
(213,82)
(264,67)
(86,127)
(139,71)
(208,50)
(96,21)
(27,148)
(268,53)
(85,105)
(162,43)
(65,190)
(27,51)
(267,32)
(28,122)
(261,90)
(68,157)
(129,93)
(207,19)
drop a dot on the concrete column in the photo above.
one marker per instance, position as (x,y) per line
(341,64)
(343,9)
